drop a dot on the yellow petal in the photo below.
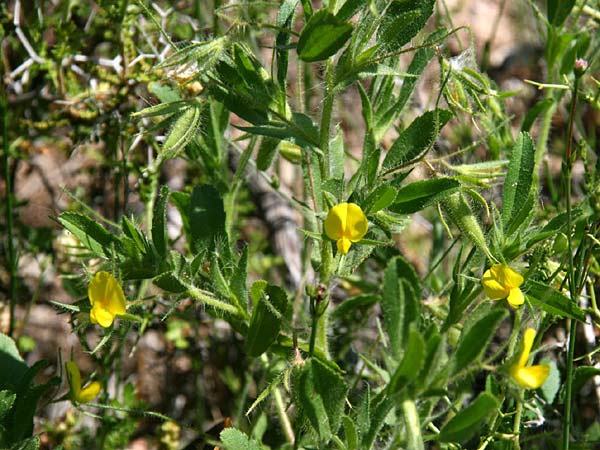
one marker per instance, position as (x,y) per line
(531,377)
(89,392)
(101,316)
(335,223)
(509,277)
(343,245)
(356,223)
(492,288)
(516,297)
(528,338)
(74,378)
(106,294)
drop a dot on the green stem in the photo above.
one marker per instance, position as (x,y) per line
(321,333)
(11,255)
(285,420)
(517,421)
(571,325)
(326,119)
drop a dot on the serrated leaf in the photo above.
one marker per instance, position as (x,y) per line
(234,439)
(466,423)
(90,233)
(321,393)
(519,178)
(552,301)
(400,303)
(270,305)
(402,21)
(475,339)
(184,129)
(416,140)
(322,36)
(421,194)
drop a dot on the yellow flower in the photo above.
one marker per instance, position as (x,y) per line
(500,281)
(107,299)
(79,395)
(529,377)
(346,223)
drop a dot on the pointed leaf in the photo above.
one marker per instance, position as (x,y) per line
(322,36)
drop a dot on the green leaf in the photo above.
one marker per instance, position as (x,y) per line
(559,10)
(402,21)
(336,156)
(322,36)
(466,423)
(476,337)
(420,194)
(33,443)
(163,109)
(414,142)
(352,304)
(462,215)
(382,197)
(207,216)
(270,305)
(90,233)
(320,391)
(412,362)
(266,153)
(400,303)
(552,384)
(184,128)
(234,439)
(552,301)
(519,178)
(284,21)
(13,366)
(350,432)
(159,228)
(7,399)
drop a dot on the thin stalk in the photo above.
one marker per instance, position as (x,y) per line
(285,420)
(572,325)
(11,255)
(326,118)
(517,421)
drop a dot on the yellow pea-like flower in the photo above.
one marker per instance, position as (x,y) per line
(346,223)
(107,299)
(529,377)
(78,394)
(500,281)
